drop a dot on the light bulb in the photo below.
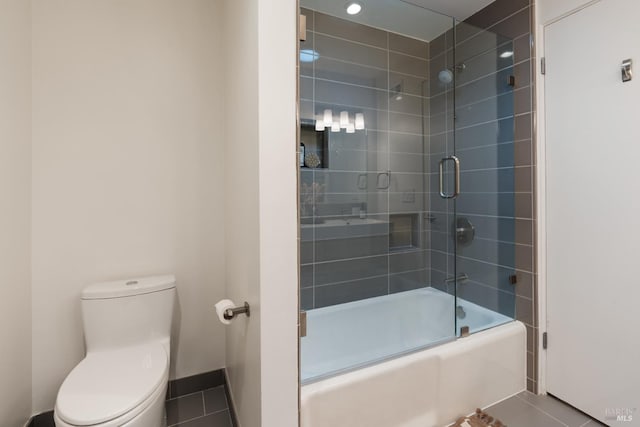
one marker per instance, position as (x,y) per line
(344,119)
(351,128)
(328,117)
(359,121)
(319,125)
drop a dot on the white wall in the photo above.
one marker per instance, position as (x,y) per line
(262,352)
(15,217)
(128,169)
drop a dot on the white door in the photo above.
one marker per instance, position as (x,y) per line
(593,210)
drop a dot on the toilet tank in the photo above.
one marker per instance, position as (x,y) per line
(128,312)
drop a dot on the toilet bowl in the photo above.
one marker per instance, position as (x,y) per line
(122,381)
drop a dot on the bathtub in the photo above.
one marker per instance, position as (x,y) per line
(395,361)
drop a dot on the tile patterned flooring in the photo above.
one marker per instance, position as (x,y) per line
(530,410)
(208,408)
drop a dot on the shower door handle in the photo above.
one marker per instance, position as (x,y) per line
(456,177)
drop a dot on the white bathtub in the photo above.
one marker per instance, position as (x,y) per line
(426,388)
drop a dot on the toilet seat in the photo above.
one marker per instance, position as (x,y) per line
(113,385)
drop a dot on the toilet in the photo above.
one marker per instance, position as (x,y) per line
(122,381)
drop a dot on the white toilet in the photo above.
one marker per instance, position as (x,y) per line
(122,381)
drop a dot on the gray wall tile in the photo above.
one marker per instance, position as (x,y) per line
(408,281)
(350,95)
(522,48)
(306,275)
(351,269)
(345,72)
(342,28)
(524,310)
(331,47)
(409,104)
(525,285)
(522,155)
(412,85)
(306,299)
(490,275)
(350,291)
(483,134)
(407,143)
(408,64)
(488,156)
(496,11)
(501,302)
(523,130)
(514,26)
(408,46)
(490,251)
(338,249)
(408,261)
(406,123)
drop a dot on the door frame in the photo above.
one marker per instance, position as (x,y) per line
(542,21)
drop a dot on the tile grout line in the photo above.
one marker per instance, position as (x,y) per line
(184,395)
(197,418)
(541,410)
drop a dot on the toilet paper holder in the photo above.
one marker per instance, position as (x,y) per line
(231,313)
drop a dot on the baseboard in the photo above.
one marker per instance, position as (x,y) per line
(194,383)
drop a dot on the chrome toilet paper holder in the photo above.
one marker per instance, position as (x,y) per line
(231,313)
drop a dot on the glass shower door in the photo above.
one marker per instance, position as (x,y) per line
(481,178)
(365,214)
(442,164)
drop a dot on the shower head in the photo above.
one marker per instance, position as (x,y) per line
(446,75)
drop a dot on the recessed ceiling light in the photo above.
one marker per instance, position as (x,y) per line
(506,54)
(353,8)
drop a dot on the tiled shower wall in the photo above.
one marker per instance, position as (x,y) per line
(379,171)
(493,140)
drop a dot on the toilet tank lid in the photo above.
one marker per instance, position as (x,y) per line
(128,287)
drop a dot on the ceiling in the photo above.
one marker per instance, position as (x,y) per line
(420,19)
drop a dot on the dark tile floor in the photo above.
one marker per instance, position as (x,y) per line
(530,410)
(208,408)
